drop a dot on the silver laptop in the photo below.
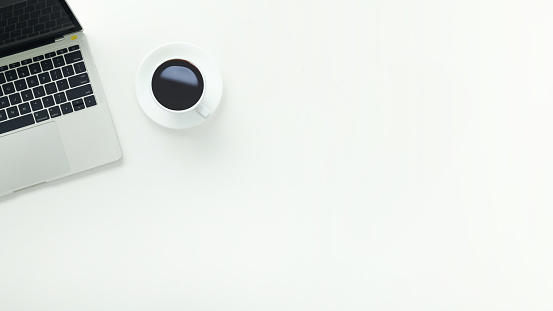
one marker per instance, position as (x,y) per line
(54,119)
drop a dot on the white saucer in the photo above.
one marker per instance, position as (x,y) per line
(208,102)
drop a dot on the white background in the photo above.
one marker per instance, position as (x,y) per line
(367,155)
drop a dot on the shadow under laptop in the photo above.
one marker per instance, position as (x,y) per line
(64,180)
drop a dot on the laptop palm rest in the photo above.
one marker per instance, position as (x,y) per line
(31,157)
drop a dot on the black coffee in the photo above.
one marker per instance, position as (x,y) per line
(177,84)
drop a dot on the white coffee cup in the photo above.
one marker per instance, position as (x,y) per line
(179,85)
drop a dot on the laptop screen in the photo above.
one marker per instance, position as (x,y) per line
(31,23)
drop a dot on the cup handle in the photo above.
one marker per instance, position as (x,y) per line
(202,111)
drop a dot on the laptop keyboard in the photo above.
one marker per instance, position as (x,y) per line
(43,87)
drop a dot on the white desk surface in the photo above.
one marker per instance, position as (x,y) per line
(367,155)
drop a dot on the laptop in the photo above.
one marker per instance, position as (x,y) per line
(54,118)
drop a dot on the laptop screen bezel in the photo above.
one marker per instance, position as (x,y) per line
(50,38)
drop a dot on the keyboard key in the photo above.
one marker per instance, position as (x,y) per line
(73,57)
(73,48)
(48,101)
(62,51)
(54,111)
(38,58)
(60,98)
(3,115)
(15,65)
(27,95)
(32,81)
(79,67)
(26,61)
(50,88)
(15,99)
(78,104)
(81,91)
(20,84)
(12,21)
(58,61)
(39,91)
(8,88)
(12,112)
(10,75)
(66,108)
(41,115)
(4,102)
(56,74)
(50,55)
(47,65)
(62,85)
(24,108)
(78,80)
(68,71)
(11,28)
(40,6)
(17,123)
(35,68)
(36,104)
(3,68)
(44,77)
(90,101)
(3,79)
(23,72)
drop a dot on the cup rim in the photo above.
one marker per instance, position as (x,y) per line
(178,111)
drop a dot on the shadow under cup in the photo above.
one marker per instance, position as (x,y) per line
(177,85)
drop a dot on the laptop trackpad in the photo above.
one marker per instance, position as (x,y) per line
(30,157)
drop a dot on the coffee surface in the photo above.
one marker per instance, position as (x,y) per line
(177,84)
